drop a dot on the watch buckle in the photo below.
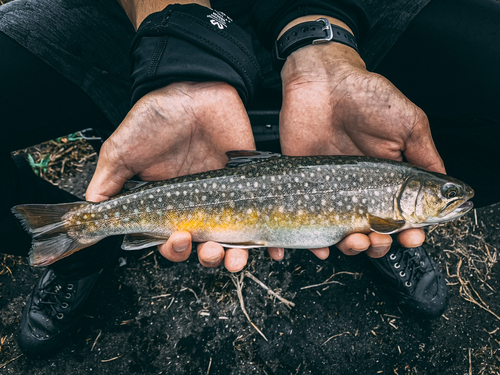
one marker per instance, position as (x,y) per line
(327,28)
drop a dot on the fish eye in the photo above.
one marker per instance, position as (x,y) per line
(450,190)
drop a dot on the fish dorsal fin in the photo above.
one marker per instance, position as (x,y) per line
(241,157)
(137,241)
(385,226)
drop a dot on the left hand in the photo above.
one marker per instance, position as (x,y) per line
(333,106)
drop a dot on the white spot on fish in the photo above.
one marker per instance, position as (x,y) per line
(354,199)
(204,198)
(323,202)
(160,199)
(105,216)
(151,196)
(148,209)
(136,211)
(177,193)
(117,214)
(124,207)
(78,223)
(168,195)
(377,193)
(300,212)
(108,206)
(327,178)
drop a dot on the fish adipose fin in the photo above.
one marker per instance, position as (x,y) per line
(237,158)
(137,241)
(49,230)
(385,226)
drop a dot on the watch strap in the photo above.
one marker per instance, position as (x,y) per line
(307,33)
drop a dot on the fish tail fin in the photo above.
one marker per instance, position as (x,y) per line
(47,226)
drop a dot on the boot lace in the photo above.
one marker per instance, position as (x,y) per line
(410,266)
(53,295)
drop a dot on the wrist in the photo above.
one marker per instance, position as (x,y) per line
(308,18)
(310,30)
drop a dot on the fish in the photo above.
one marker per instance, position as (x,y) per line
(259,199)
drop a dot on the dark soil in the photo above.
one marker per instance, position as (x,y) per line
(151,316)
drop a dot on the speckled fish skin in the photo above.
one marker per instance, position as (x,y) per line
(274,201)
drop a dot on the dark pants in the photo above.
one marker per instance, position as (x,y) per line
(446,63)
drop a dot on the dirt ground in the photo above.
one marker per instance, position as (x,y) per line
(151,316)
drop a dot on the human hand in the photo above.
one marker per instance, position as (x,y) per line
(333,105)
(181,129)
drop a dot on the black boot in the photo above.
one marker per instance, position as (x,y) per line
(53,310)
(414,280)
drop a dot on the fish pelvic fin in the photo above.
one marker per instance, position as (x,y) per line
(137,241)
(385,226)
(45,223)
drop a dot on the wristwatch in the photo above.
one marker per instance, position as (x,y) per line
(307,33)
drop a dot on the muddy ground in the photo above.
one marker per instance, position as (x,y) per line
(151,316)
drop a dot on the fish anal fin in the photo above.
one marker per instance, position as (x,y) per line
(241,157)
(385,226)
(137,241)
(242,245)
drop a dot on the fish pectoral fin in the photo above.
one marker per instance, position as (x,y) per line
(237,158)
(385,226)
(137,241)
(242,245)
(132,185)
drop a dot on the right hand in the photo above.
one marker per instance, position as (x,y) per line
(177,130)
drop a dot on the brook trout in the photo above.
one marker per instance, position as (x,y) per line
(259,199)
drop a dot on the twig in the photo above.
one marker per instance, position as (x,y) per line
(111,359)
(209,365)
(287,303)
(238,283)
(95,341)
(10,360)
(323,283)
(340,334)
(191,290)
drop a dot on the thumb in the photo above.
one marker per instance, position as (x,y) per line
(108,179)
(421,150)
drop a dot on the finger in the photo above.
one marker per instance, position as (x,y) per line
(210,254)
(277,253)
(177,248)
(354,244)
(322,253)
(420,149)
(235,259)
(411,238)
(380,245)
(108,179)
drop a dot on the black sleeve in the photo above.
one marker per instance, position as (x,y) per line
(269,17)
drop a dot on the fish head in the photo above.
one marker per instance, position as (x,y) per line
(429,198)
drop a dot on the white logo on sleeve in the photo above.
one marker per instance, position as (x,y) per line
(219,19)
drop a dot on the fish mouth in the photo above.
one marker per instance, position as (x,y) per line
(455,214)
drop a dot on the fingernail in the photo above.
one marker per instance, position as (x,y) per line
(180,246)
